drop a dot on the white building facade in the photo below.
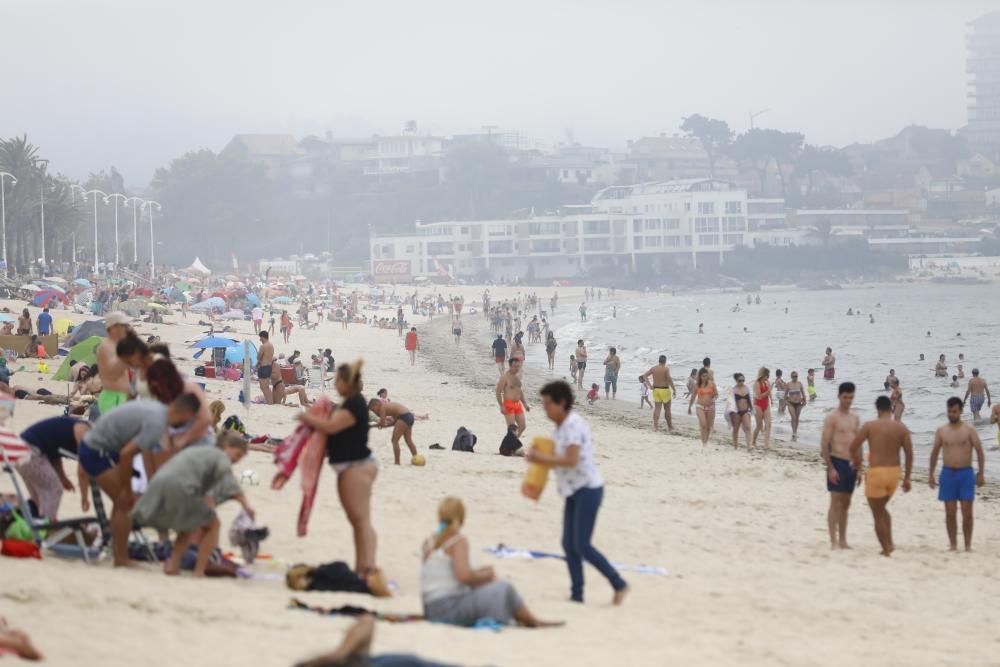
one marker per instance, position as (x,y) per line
(623,230)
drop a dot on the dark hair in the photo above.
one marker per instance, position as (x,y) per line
(579,341)
(264,335)
(706,361)
(381,391)
(130,345)
(188,402)
(663,358)
(737,376)
(883,404)
(845,388)
(955,400)
(777,373)
(612,350)
(160,348)
(559,393)
(165,383)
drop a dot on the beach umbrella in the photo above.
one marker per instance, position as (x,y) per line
(43,298)
(159,306)
(212,303)
(237,355)
(57,280)
(282,299)
(214,342)
(4,317)
(183,286)
(82,282)
(84,352)
(253,299)
(30,288)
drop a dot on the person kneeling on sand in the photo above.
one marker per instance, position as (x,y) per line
(184,493)
(454,592)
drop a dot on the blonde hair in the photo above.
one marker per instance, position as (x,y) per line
(231,439)
(216,408)
(451,514)
(351,374)
(763,372)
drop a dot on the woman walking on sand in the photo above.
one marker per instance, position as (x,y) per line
(550,349)
(703,400)
(762,407)
(582,486)
(612,364)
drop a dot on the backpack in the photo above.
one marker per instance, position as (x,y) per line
(510,444)
(465,440)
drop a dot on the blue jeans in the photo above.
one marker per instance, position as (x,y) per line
(578,527)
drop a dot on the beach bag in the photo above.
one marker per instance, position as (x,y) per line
(20,549)
(510,444)
(464,441)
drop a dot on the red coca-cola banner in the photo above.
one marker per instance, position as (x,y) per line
(391,270)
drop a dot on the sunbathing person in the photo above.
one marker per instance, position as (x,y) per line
(355,651)
(184,493)
(454,592)
(17,642)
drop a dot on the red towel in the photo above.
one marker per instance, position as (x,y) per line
(307,447)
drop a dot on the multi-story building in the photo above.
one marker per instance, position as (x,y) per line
(624,229)
(983,69)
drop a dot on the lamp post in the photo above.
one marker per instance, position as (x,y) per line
(3,214)
(43,164)
(73,187)
(116,197)
(135,227)
(95,192)
(152,243)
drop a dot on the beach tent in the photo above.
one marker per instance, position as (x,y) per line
(213,303)
(198,267)
(45,297)
(63,326)
(30,288)
(93,328)
(237,355)
(82,282)
(84,352)
(253,299)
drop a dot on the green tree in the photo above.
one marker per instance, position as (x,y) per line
(816,160)
(761,147)
(714,135)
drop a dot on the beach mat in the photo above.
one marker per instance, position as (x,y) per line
(350,610)
(503,551)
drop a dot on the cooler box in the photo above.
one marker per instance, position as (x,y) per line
(210,371)
(288,375)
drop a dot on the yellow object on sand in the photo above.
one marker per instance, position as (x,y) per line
(537,475)
(419,460)
(43,367)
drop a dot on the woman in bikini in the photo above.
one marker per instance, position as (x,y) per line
(896,396)
(795,397)
(743,406)
(762,407)
(705,395)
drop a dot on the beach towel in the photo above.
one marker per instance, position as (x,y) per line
(247,536)
(303,447)
(349,610)
(502,551)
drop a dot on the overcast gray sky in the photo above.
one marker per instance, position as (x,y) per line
(135,83)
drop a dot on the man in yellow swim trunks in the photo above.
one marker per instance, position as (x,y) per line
(886,437)
(111,369)
(663,391)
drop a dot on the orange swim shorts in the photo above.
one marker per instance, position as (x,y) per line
(513,408)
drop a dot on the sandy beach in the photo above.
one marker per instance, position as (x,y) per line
(752,579)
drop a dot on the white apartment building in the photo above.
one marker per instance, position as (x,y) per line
(623,230)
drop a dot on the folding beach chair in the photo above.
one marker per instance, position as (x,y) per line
(47,534)
(316,378)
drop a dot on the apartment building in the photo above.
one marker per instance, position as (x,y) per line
(983,69)
(623,230)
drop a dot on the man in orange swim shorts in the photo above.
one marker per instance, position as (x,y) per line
(886,438)
(510,398)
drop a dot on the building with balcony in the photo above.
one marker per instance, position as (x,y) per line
(623,230)
(983,70)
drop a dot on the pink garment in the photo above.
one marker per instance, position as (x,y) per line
(305,448)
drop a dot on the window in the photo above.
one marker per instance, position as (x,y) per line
(409,250)
(464,230)
(596,244)
(687,206)
(732,239)
(654,241)
(637,243)
(735,224)
(501,247)
(672,224)
(705,225)
(540,228)
(440,248)
(636,225)
(734,207)
(708,239)
(706,207)
(596,226)
(388,251)
(672,241)
(545,245)
(497,230)
(652,225)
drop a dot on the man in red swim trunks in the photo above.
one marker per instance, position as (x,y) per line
(828,365)
(510,398)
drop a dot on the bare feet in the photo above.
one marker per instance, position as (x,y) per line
(619,597)
(843,545)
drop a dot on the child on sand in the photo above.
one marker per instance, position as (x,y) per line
(454,592)
(811,384)
(183,494)
(572,367)
(594,394)
(644,392)
(581,484)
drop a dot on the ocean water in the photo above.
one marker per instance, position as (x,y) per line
(646,327)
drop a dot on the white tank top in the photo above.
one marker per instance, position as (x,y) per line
(437,578)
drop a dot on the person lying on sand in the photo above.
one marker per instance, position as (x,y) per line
(355,650)
(16,642)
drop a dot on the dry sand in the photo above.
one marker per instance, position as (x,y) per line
(744,536)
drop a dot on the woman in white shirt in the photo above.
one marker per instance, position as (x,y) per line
(581,484)
(455,592)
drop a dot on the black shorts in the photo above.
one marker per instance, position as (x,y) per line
(407,418)
(581,365)
(848,476)
(264,372)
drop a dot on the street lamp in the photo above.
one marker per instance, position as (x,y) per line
(44,164)
(104,194)
(73,187)
(3,214)
(116,196)
(135,227)
(152,244)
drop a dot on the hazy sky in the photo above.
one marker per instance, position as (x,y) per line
(135,83)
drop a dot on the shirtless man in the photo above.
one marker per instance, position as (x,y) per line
(885,438)
(402,423)
(265,366)
(581,362)
(663,391)
(839,430)
(977,394)
(112,370)
(829,361)
(510,398)
(941,368)
(958,482)
(995,419)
